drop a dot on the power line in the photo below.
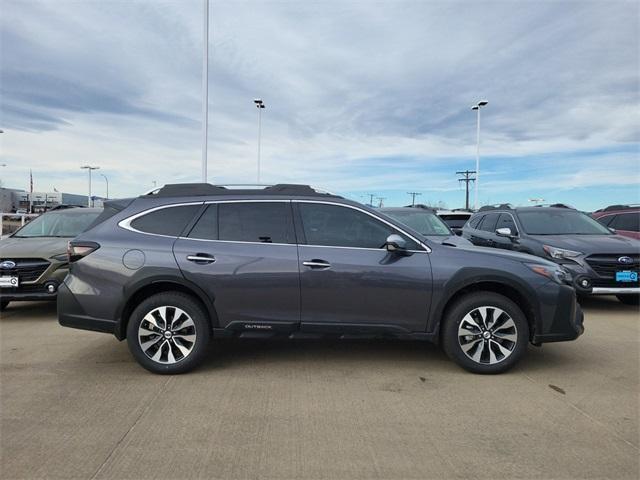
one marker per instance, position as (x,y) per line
(467,179)
(413,197)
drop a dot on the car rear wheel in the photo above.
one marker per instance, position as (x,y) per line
(3,304)
(169,333)
(485,332)
(629,299)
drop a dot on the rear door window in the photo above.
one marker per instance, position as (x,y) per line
(170,221)
(265,222)
(627,221)
(206,228)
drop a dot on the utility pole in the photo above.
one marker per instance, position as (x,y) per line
(466,179)
(413,197)
(381,201)
(371,197)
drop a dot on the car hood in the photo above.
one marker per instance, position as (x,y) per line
(42,247)
(507,254)
(449,240)
(590,244)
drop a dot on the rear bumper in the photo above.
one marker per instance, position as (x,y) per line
(71,314)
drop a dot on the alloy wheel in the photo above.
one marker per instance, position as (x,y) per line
(487,335)
(167,335)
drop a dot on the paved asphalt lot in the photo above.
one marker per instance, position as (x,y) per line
(75,405)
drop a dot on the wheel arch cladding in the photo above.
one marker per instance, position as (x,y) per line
(151,287)
(510,290)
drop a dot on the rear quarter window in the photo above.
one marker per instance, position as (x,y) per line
(169,221)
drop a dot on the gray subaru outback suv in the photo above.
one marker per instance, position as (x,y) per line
(170,270)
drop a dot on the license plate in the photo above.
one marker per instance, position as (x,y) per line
(8,282)
(626,276)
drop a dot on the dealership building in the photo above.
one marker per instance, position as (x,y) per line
(12,200)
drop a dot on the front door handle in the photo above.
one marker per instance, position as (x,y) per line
(315,263)
(201,258)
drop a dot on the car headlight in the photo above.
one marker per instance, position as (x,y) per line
(560,253)
(63,257)
(557,274)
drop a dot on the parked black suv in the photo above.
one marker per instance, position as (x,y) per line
(600,262)
(169,270)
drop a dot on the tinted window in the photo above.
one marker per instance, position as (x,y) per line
(627,221)
(58,224)
(606,220)
(424,222)
(560,222)
(489,222)
(473,223)
(268,222)
(169,221)
(336,226)
(506,221)
(207,225)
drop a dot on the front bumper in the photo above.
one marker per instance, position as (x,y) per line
(567,322)
(27,296)
(71,314)
(615,291)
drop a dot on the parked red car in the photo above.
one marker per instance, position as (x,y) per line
(624,219)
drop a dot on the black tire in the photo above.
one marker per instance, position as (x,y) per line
(629,299)
(3,305)
(497,344)
(169,347)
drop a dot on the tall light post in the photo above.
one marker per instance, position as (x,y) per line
(106,180)
(259,105)
(205,90)
(89,167)
(477,108)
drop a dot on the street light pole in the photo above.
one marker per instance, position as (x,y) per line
(89,167)
(205,90)
(106,180)
(260,106)
(477,108)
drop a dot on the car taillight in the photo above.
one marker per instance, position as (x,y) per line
(78,250)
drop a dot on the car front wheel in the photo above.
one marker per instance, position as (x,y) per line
(169,333)
(485,332)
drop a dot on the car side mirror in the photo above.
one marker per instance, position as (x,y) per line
(504,232)
(612,230)
(395,243)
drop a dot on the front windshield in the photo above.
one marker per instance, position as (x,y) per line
(555,222)
(57,224)
(426,223)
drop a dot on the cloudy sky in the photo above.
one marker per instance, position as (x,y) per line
(362,96)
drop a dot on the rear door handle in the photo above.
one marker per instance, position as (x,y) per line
(201,258)
(315,263)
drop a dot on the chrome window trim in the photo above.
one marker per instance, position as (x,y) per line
(126,223)
(353,207)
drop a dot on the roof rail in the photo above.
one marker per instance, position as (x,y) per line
(497,206)
(202,189)
(619,207)
(421,205)
(556,205)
